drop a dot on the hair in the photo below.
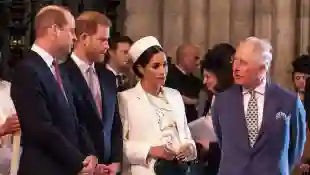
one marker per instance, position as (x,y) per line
(88,22)
(48,16)
(113,44)
(114,40)
(262,47)
(218,60)
(145,58)
(181,51)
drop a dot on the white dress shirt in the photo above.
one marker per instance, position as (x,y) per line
(114,72)
(260,97)
(83,66)
(48,58)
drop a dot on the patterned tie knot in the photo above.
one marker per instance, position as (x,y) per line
(90,69)
(252,93)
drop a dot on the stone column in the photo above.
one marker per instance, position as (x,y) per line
(198,24)
(219,21)
(173,28)
(142,19)
(263,19)
(241,20)
(284,45)
(303,26)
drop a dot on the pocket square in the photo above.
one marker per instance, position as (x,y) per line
(282,115)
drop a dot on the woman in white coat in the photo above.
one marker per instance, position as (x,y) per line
(8,125)
(153,116)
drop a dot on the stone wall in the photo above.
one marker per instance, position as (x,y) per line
(285,23)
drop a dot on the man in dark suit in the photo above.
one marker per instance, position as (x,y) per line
(261,127)
(119,62)
(95,90)
(53,141)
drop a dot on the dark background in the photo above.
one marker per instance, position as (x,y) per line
(16,25)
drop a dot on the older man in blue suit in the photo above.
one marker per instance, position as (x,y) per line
(261,127)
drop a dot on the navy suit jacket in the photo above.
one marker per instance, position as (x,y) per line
(52,139)
(106,133)
(281,139)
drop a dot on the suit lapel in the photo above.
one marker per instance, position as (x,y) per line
(237,108)
(108,94)
(47,74)
(79,78)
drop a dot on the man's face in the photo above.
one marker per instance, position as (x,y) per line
(191,59)
(120,55)
(247,70)
(66,36)
(97,44)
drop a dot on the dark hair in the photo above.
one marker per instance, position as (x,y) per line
(218,60)
(145,58)
(113,44)
(114,40)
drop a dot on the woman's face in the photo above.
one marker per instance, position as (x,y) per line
(156,70)
(209,80)
(300,81)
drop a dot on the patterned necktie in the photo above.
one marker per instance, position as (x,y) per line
(120,82)
(94,88)
(252,118)
(58,77)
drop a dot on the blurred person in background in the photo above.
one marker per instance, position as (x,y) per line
(181,77)
(9,125)
(119,62)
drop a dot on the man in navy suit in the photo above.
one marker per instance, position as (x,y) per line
(52,139)
(261,127)
(95,90)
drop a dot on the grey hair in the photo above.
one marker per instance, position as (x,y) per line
(263,47)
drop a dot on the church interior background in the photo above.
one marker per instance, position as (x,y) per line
(285,23)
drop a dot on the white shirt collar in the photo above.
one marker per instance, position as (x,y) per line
(259,89)
(180,69)
(80,63)
(110,68)
(48,58)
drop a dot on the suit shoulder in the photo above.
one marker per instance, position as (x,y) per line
(229,91)
(127,94)
(284,92)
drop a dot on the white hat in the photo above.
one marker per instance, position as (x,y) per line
(141,45)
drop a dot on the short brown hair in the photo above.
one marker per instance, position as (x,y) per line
(88,22)
(48,16)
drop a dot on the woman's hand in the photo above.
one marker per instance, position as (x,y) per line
(161,152)
(184,152)
(10,126)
